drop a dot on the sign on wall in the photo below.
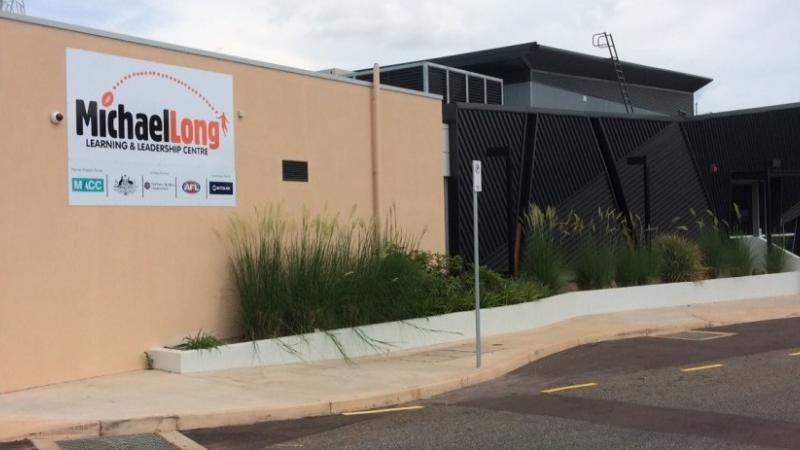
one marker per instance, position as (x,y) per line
(145,133)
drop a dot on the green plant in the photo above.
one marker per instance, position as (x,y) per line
(637,265)
(200,341)
(725,255)
(325,273)
(739,258)
(541,260)
(681,259)
(595,264)
(775,259)
(497,290)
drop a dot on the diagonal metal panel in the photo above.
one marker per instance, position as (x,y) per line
(496,139)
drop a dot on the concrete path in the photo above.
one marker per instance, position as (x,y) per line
(152,401)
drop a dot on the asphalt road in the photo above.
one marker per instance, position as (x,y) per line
(748,397)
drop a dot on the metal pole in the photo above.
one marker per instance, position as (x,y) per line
(768,205)
(476,263)
(647,223)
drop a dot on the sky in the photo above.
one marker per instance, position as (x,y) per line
(749,47)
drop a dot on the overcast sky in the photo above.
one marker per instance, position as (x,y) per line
(749,47)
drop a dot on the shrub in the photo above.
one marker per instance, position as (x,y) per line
(541,260)
(595,265)
(499,291)
(637,265)
(680,259)
(327,273)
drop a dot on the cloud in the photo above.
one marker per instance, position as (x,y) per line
(746,46)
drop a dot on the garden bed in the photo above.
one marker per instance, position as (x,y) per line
(446,328)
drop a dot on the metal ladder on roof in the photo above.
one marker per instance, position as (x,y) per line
(605,40)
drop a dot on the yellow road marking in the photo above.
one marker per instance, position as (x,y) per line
(794,354)
(568,388)
(694,369)
(384,410)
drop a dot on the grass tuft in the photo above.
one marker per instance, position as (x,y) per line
(200,341)
(542,261)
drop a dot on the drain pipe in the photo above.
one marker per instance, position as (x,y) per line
(376,141)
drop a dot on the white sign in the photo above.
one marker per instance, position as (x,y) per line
(145,133)
(476,176)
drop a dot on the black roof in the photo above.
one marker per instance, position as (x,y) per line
(506,60)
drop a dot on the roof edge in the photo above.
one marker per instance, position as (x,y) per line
(629,63)
(738,112)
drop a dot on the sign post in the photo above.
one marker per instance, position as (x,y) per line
(476,187)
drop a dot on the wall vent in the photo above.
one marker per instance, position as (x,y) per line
(295,170)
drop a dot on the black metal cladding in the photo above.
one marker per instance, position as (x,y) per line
(494,92)
(410,78)
(437,82)
(677,198)
(569,169)
(741,142)
(625,135)
(458,87)
(495,138)
(476,90)
(566,159)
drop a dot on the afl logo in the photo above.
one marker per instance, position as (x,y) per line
(191,187)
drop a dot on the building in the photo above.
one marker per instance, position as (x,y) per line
(109,251)
(532,75)
(127,158)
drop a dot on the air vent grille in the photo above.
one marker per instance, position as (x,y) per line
(295,170)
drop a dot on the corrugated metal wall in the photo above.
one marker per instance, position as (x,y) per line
(496,138)
(578,163)
(741,142)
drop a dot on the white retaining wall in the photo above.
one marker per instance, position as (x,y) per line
(394,336)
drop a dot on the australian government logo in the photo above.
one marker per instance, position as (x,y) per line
(125,185)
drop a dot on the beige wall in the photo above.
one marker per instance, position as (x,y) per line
(85,290)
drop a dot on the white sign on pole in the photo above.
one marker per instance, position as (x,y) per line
(476,176)
(142,133)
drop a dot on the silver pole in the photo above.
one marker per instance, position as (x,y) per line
(477,279)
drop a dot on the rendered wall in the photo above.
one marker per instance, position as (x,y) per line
(85,290)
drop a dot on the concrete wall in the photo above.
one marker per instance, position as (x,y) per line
(85,290)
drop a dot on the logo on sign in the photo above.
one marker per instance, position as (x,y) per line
(191,187)
(125,185)
(220,188)
(88,185)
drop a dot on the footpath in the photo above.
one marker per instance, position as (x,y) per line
(154,401)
